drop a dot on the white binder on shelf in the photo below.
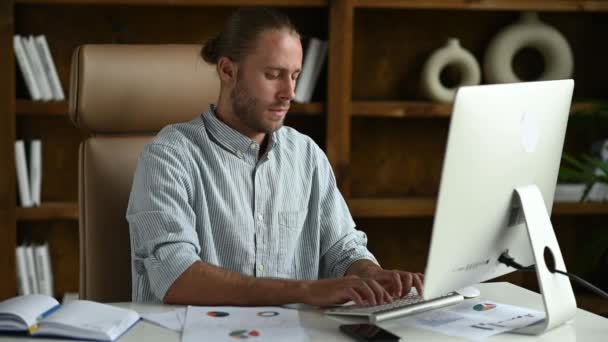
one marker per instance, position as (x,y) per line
(35,168)
(43,269)
(26,68)
(23,283)
(23,183)
(39,74)
(31,268)
(49,67)
(305,81)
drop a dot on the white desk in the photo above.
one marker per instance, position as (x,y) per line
(587,327)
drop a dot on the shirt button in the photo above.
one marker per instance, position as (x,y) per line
(260,268)
(253,146)
(260,217)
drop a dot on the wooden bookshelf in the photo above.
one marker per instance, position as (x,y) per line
(49,211)
(313,108)
(8,285)
(422,109)
(290,3)
(425,207)
(492,5)
(39,108)
(60,108)
(591,302)
(376,51)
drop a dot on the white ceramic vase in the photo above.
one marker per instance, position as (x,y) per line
(450,54)
(528,32)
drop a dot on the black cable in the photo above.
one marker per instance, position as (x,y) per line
(508,260)
(584,283)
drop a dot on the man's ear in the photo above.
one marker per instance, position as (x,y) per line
(227,70)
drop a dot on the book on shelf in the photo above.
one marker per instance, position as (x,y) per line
(23,183)
(30,264)
(314,57)
(44,275)
(34,273)
(49,67)
(38,67)
(23,283)
(35,170)
(26,68)
(41,315)
(29,175)
(36,62)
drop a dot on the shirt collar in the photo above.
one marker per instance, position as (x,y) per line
(230,138)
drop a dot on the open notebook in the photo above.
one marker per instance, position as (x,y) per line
(81,319)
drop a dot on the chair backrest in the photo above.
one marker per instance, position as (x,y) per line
(123,95)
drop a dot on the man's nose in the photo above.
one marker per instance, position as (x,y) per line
(288,91)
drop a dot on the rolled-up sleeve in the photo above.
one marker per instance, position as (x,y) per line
(341,244)
(161,220)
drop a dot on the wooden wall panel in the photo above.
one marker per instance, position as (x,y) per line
(8,285)
(396,157)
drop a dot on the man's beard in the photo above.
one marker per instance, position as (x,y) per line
(247,109)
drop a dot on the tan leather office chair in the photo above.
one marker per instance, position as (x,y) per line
(123,95)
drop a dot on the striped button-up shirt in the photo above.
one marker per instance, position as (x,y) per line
(203,191)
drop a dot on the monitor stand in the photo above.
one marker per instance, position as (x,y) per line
(555,288)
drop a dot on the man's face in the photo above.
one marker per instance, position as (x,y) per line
(265,81)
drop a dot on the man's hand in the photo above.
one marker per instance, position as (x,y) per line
(398,283)
(341,290)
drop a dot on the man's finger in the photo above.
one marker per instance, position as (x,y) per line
(354,296)
(398,289)
(381,294)
(406,278)
(418,283)
(366,293)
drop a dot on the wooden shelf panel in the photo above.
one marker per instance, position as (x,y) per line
(60,108)
(400,109)
(425,207)
(592,302)
(491,5)
(397,207)
(281,3)
(49,211)
(421,109)
(313,108)
(564,208)
(40,108)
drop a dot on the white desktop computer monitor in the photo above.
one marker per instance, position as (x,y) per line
(501,138)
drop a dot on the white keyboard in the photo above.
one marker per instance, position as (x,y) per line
(410,304)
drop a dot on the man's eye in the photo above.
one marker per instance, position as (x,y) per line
(272,76)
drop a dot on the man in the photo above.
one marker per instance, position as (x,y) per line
(232,208)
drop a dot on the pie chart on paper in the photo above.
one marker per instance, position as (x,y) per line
(484,307)
(244,334)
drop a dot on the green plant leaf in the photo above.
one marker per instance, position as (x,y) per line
(576,163)
(567,174)
(598,163)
